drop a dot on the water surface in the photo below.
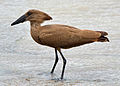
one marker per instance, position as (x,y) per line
(26,63)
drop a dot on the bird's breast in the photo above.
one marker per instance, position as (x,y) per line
(35,36)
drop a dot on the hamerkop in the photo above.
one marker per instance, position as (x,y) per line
(58,36)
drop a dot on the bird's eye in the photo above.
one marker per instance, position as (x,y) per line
(29,13)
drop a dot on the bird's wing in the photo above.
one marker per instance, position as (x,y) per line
(63,36)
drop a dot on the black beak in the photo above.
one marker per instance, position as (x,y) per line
(19,20)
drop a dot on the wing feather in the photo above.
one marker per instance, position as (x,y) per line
(64,36)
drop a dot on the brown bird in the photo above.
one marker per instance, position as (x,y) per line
(58,36)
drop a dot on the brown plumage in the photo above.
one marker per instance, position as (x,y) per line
(58,36)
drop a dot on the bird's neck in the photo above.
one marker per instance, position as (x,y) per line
(35,25)
(35,29)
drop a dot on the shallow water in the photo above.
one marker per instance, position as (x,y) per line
(25,63)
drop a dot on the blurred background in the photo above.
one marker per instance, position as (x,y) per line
(26,63)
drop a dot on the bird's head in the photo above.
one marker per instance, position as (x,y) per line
(33,16)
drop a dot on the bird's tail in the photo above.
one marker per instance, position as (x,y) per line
(102,38)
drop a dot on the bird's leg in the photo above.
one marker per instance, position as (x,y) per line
(56,60)
(64,63)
